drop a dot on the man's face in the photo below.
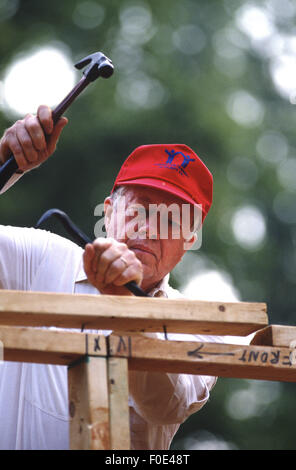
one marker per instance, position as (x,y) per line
(140,219)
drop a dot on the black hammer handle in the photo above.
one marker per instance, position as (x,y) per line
(10,166)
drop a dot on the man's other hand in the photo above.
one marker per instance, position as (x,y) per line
(109,265)
(31,140)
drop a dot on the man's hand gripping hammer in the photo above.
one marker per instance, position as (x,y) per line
(98,65)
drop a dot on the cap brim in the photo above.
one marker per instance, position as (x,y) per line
(161,185)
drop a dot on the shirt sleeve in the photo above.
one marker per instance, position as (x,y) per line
(21,252)
(164,398)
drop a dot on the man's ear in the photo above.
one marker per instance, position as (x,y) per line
(108,210)
(190,242)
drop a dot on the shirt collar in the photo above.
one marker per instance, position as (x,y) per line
(161,289)
(81,276)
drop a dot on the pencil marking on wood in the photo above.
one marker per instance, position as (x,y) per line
(196,353)
(97,344)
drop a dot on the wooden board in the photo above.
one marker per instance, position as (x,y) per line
(217,359)
(264,362)
(89,405)
(26,344)
(276,335)
(118,403)
(120,313)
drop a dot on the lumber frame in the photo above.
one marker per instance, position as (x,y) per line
(33,328)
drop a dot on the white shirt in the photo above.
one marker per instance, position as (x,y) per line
(33,397)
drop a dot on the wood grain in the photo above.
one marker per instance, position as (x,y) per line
(276,335)
(89,405)
(217,359)
(120,313)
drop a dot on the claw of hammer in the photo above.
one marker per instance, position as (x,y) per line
(99,66)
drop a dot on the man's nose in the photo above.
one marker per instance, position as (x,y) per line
(149,227)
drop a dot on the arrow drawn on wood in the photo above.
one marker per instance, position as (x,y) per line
(196,353)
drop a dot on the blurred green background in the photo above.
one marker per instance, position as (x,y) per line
(217,75)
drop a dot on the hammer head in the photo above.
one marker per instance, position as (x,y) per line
(98,66)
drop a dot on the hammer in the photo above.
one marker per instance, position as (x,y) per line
(98,66)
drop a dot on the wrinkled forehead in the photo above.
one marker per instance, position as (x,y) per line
(150,195)
(160,201)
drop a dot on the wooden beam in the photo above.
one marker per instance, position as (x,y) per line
(276,335)
(89,405)
(120,313)
(263,361)
(217,359)
(118,403)
(44,346)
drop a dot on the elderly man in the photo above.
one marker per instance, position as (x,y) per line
(33,397)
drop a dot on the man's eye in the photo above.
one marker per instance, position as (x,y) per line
(130,211)
(174,223)
(135,210)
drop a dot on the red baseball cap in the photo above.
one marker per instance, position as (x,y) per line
(174,168)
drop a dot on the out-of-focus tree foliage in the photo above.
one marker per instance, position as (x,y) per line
(184,72)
